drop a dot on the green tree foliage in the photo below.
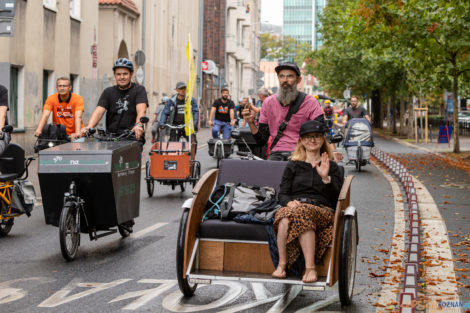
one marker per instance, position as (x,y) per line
(279,48)
(395,47)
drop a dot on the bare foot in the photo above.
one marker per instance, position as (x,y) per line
(280,271)
(310,275)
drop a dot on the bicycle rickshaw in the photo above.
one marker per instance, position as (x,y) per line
(172,163)
(13,166)
(213,250)
(358,141)
(91,187)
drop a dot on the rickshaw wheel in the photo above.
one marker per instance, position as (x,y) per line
(5,225)
(186,288)
(150,181)
(150,187)
(69,231)
(347,260)
(196,173)
(359,158)
(218,162)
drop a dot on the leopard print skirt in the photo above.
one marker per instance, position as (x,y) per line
(304,218)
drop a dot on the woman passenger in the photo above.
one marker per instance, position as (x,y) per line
(309,191)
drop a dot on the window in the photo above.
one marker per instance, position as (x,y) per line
(75,9)
(74,82)
(50,4)
(48,84)
(13,120)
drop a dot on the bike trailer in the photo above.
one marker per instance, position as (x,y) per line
(107,175)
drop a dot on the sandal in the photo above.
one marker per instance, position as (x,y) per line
(282,274)
(308,270)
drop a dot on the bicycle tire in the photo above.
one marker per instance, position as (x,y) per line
(69,224)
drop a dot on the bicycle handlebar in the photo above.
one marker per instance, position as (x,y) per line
(177,127)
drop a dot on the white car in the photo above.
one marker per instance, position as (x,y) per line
(464,118)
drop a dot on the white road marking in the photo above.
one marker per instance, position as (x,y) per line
(175,301)
(201,147)
(287,298)
(434,233)
(146,295)
(10,294)
(147,230)
(392,279)
(61,296)
(250,305)
(327,302)
(260,291)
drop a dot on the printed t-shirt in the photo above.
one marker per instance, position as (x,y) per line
(63,112)
(179,114)
(222,110)
(121,106)
(273,114)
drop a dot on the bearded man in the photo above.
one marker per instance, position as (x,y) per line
(275,110)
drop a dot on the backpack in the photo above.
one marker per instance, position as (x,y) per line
(54,132)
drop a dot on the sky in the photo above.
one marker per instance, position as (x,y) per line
(271,11)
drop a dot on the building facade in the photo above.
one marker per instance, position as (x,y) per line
(50,39)
(81,40)
(301,21)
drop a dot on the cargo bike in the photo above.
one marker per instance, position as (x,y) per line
(172,162)
(358,141)
(214,250)
(91,187)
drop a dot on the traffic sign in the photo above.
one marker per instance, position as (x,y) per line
(139,58)
(205,66)
(259,74)
(347,93)
(139,75)
(259,83)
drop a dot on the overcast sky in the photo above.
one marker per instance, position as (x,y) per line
(271,11)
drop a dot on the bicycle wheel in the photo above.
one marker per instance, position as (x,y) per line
(69,231)
(359,158)
(347,260)
(186,288)
(6,224)
(150,181)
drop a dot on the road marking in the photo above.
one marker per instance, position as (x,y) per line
(146,230)
(393,279)
(287,298)
(10,294)
(175,301)
(438,249)
(327,302)
(62,296)
(201,147)
(145,296)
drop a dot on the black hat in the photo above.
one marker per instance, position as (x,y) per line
(312,127)
(180,85)
(288,66)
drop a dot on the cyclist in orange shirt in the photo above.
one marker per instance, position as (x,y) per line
(66,107)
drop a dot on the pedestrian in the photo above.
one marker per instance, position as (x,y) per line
(173,114)
(124,104)
(156,119)
(222,115)
(275,108)
(67,109)
(4,137)
(309,190)
(355,111)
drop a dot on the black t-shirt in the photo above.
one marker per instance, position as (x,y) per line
(4,100)
(121,106)
(222,110)
(359,112)
(179,113)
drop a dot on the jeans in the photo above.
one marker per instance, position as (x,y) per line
(279,155)
(226,129)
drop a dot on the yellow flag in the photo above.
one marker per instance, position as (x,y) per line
(188,115)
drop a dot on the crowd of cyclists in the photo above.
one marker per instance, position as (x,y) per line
(274,120)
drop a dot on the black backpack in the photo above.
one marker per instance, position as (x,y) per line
(54,132)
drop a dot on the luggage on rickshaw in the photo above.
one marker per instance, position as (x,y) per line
(211,250)
(172,163)
(358,141)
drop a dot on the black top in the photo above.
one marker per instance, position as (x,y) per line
(301,180)
(121,106)
(4,99)
(222,110)
(179,114)
(359,112)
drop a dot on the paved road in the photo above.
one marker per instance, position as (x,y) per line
(138,273)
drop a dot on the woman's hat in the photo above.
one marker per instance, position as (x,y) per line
(313,126)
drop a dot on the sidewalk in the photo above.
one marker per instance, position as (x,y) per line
(203,136)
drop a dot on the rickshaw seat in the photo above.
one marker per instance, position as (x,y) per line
(12,164)
(216,229)
(256,173)
(171,146)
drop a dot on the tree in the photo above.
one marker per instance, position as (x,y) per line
(283,48)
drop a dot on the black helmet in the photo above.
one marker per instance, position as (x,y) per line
(124,63)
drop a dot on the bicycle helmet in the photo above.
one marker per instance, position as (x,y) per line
(123,63)
(327,101)
(316,97)
(165,99)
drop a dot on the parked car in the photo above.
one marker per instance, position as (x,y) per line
(464,119)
